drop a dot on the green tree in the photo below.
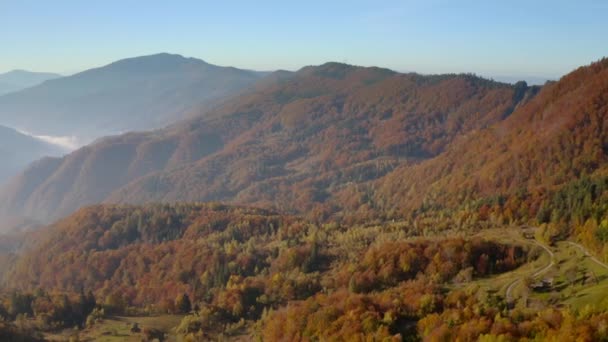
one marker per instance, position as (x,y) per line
(183,304)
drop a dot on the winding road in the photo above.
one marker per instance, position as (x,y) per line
(509,295)
(588,254)
(539,272)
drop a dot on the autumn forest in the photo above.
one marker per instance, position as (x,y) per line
(166,198)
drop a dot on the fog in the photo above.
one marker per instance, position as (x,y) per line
(68,143)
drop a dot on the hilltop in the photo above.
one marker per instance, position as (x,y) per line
(137,93)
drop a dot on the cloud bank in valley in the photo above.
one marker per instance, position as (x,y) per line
(68,143)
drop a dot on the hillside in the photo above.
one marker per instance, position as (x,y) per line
(131,94)
(240,265)
(17,150)
(292,143)
(238,273)
(556,139)
(16,80)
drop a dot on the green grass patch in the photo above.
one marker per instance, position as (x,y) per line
(113,329)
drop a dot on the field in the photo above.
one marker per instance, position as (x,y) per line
(118,328)
(573,277)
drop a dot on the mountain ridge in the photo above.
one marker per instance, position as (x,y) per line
(558,136)
(145,92)
(273,145)
(16,80)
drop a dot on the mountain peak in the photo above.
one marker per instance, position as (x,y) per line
(135,93)
(15,72)
(157,62)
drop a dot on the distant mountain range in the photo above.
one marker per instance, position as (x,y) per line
(296,141)
(17,150)
(132,94)
(16,80)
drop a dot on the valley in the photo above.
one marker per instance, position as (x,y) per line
(18,150)
(271,193)
(326,227)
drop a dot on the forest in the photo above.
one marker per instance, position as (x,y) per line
(235,266)
(230,272)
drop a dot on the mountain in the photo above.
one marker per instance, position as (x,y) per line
(294,142)
(17,150)
(557,138)
(16,80)
(131,94)
(428,163)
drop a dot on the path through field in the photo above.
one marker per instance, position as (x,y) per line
(588,254)
(541,271)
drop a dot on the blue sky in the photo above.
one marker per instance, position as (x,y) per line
(492,38)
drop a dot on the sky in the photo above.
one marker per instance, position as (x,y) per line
(535,39)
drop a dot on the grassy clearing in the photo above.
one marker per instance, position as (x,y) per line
(114,329)
(514,236)
(578,281)
(589,286)
(499,284)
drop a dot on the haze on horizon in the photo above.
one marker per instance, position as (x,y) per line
(542,40)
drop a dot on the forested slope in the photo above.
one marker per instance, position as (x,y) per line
(292,143)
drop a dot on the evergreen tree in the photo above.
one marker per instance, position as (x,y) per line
(183,304)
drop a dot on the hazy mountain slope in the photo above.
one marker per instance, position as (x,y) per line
(131,94)
(6,88)
(302,152)
(292,142)
(18,150)
(16,80)
(554,139)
